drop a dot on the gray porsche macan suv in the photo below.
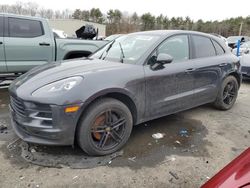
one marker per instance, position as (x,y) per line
(135,78)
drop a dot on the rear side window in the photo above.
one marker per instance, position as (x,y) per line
(25,28)
(203,47)
(1,26)
(218,48)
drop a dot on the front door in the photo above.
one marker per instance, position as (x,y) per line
(170,89)
(2,56)
(27,44)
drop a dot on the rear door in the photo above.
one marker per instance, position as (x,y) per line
(27,44)
(208,69)
(2,56)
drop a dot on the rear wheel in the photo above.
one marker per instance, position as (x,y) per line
(227,94)
(105,127)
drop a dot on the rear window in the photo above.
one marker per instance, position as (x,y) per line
(218,48)
(203,47)
(1,26)
(25,28)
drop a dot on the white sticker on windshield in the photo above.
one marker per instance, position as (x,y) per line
(144,38)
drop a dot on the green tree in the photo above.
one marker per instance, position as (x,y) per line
(85,15)
(159,22)
(148,21)
(166,23)
(110,16)
(77,14)
(117,15)
(96,15)
(114,21)
(135,18)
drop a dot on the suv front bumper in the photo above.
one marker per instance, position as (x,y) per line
(42,123)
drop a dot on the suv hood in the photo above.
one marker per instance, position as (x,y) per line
(45,74)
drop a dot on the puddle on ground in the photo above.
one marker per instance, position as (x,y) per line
(141,150)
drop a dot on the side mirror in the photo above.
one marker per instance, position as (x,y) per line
(164,58)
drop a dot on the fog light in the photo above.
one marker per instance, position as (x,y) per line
(72,109)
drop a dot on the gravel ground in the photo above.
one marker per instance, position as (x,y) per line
(211,139)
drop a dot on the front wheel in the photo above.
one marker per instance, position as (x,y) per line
(227,94)
(105,127)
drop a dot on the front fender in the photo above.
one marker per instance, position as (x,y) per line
(109,91)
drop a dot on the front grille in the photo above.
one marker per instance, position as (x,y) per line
(18,106)
(30,112)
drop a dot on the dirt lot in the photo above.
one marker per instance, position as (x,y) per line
(211,139)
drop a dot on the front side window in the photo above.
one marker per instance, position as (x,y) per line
(25,28)
(203,47)
(1,26)
(177,47)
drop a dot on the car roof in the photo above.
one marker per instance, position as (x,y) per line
(165,33)
(171,32)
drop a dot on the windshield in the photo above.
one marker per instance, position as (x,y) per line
(126,49)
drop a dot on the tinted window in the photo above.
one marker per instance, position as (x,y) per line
(203,47)
(24,28)
(218,48)
(1,26)
(177,47)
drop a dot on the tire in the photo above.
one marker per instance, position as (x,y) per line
(105,127)
(223,103)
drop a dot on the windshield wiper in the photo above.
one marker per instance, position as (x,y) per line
(122,53)
(106,51)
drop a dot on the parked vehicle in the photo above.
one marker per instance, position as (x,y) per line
(244,49)
(235,174)
(232,40)
(245,65)
(136,78)
(244,53)
(26,42)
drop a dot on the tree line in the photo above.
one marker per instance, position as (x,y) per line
(118,22)
(122,22)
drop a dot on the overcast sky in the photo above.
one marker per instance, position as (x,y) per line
(196,9)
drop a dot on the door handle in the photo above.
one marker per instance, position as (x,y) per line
(189,70)
(1,42)
(222,64)
(44,44)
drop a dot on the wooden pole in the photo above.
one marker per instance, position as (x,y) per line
(241,24)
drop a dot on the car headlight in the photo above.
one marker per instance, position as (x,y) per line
(59,86)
